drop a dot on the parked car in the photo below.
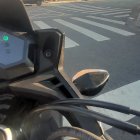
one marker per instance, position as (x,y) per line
(38,2)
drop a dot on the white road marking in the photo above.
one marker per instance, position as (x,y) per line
(109,20)
(81,8)
(88,10)
(105,11)
(107,27)
(51,11)
(119,16)
(128,95)
(82,30)
(42,25)
(44,10)
(62,8)
(50,15)
(92,6)
(69,8)
(68,42)
(116,13)
(38,12)
(91,11)
(38,15)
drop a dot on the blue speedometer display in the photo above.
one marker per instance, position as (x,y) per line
(11,49)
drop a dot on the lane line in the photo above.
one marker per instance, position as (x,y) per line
(119,16)
(68,42)
(106,19)
(82,30)
(116,13)
(107,27)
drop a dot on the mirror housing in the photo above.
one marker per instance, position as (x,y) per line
(90,81)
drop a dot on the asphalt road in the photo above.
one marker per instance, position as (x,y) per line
(98,37)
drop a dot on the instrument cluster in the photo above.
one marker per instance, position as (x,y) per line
(11,49)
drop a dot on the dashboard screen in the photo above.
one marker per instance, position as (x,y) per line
(11,49)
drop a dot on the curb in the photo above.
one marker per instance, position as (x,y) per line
(69,1)
(59,2)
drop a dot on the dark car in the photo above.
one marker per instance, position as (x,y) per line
(38,2)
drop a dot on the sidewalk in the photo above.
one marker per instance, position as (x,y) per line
(134,19)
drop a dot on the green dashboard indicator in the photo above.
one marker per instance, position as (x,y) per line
(5,38)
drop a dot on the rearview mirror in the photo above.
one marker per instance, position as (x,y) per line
(90,81)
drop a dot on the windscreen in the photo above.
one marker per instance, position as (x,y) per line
(13,16)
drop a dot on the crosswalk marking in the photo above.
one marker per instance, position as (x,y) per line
(38,15)
(42,10)
(82,30)
(42,25)
(127,95)
(116,13)
(47,16)
(109,11)
(107,27)
(84,9)
(105,11)
(109,20)
(119,16)
(59,7)
(92,6)
(51,11)
(94,9)
(48,11)
(68,42)
(81,8)
(69,8)
(91,11)
(64,8)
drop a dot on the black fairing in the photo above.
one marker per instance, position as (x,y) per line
(48,66)
(13,16)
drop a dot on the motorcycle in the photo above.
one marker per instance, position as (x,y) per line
(36,93)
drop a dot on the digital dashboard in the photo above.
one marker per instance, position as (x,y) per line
(14,55)
(11,49)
